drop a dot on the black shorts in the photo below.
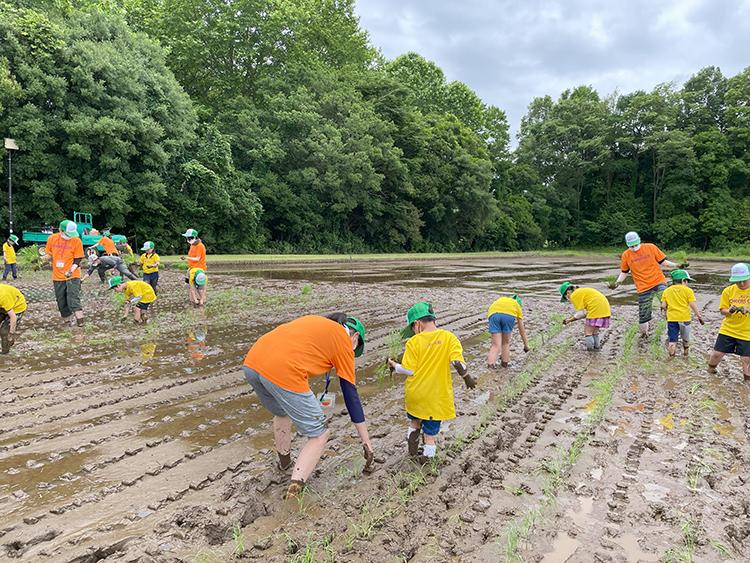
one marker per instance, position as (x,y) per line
(143,306)
(731,345)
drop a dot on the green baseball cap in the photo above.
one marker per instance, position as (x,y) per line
(69,228)
(679,275)
(740,272)
(355,324)
(517,299)
(148,245)
(419,311)
(114,281)
(200,278)
(13,239)
(564,287)
(190,233)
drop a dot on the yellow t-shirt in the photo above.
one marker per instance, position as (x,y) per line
(678,298)
(428,393)
(506,305)
(594,302)
(9,253)
(149,263)
(736,325)
(11,298)
(138,288)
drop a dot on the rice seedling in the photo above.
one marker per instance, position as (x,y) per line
(680,257)
(721,548)
(29,257)
(394,343)
(238,541)
(609,281)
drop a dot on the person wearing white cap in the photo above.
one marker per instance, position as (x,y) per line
(644,262)
(734,334)
(65,250)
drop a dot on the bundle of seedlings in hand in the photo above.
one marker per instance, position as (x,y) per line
(29,257)
(394,344)
(610,281)
(680,258)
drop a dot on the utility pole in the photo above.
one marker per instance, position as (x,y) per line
(10,146)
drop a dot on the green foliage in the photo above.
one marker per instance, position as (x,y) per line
(277,126)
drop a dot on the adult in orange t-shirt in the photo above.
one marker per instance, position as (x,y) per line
(278,367)
(107,244)
(644,262)
(196,257)
(65,250)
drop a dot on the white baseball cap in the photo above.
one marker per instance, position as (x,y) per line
(632,239)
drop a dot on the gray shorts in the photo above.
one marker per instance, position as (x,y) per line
(303,408)
(646,302)
(68,296)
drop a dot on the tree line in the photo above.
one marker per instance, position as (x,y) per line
(275,125)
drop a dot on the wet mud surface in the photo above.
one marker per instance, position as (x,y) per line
(128,443)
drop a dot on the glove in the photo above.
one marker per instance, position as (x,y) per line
(470,382)
(683,265)
(526,349)
(565,322)
(700,320)
(369,456)
(734,309)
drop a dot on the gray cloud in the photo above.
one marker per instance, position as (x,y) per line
(511,51)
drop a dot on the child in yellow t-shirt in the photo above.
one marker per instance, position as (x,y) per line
(428,390)
(138,296)
(591,305)
(734,334)
(677,301)
(149,262)
(502,316)
(9,257)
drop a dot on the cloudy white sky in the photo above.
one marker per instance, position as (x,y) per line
(510,51)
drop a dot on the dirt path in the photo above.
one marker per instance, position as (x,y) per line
(118,443)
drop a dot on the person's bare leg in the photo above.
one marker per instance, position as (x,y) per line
(745,367)
(494,349)
(137,314)
(309,457)
(644,329)
(505,338)
(713,360)
(412,437)
(282,437)
(672,348)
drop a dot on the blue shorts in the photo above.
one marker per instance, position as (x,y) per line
(429,427)
(303,408)
(676,329)
(151,279)
(501,322)
(143,306)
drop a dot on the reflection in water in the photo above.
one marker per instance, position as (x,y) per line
(147,351)
(196,343)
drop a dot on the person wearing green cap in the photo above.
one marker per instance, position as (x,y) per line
(278,367)
(65,250)
(138,297)
(196,257)
(591,305)
(428,390)
(644,262)
(149,262)
(734,334)
(197,280)
(677,301)
(12,308)
(9,257)
(502,316)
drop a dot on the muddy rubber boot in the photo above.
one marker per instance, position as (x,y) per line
(79,322)
(295,489)
(285,461)
(5,337)
(686,351)
(712,369)
(412,443)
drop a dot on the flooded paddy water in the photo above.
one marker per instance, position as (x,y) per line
(128,443)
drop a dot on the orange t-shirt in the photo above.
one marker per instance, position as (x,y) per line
(63,253)
(197,250)
(644,266)
(108,245)
(304,347)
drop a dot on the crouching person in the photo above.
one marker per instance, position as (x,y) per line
(12,307)
(278,366)
(139,296)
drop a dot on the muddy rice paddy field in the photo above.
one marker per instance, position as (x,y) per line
(126,443)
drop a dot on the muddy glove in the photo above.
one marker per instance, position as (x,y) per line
(526,349)
(369,460)
(734,309)
(470,382)
(683,265)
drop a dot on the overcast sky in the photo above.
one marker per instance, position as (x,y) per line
(512,51)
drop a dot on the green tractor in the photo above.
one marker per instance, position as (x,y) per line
(89,235)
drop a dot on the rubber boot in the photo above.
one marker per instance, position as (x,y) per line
(590,343)
(295,489)
(285,461)
(686,350)
(79,322)
(412,443)
(597,342)
(5,336)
